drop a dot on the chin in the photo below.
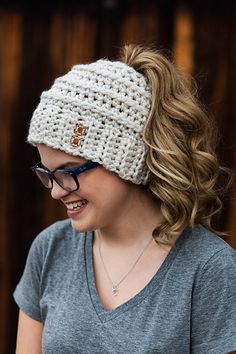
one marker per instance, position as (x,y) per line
(79,227)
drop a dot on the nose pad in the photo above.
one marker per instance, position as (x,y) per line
(57,192)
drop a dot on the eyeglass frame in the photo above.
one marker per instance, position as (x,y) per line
(73,172)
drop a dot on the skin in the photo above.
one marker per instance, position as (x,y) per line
(112,202)
(29,335)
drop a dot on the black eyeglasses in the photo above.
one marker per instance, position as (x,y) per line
(66,178)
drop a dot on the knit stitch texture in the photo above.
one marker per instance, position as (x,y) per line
(97,111)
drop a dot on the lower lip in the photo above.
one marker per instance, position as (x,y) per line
(73,213)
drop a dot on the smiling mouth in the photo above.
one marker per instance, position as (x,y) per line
(76,205)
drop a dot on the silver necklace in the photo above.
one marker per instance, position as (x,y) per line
(115,287)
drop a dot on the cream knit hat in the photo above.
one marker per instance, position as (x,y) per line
(97,111)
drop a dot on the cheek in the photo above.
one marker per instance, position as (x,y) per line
(107,188)
(116,201)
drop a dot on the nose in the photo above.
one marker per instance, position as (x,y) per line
(57,192)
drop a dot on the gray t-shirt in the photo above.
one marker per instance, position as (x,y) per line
(189,306)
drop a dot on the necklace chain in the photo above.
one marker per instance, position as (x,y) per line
(115,287)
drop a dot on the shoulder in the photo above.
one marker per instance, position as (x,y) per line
(206,247)
(213,259)
(201,256)
(55,247)
(57,228)
(53,233)
(58,238)
(213,294)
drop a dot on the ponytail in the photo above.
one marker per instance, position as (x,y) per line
(181,158)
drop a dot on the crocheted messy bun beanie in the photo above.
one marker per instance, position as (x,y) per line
(97,111)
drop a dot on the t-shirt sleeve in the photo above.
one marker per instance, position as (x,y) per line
(27,292)
(213,327)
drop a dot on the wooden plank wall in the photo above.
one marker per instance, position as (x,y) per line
(10,41)
(36,45)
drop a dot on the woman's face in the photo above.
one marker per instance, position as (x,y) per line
(101,199)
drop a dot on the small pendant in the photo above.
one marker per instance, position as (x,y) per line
(114,290)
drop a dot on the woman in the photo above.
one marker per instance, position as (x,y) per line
(136,268)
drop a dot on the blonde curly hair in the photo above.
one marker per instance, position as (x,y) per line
(181,147)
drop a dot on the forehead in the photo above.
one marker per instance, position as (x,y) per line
(53,158)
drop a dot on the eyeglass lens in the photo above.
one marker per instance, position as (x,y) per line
(44,177)
(63,178)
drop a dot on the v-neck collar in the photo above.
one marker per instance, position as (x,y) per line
(108,315)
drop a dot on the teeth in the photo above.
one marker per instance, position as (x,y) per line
(76,205)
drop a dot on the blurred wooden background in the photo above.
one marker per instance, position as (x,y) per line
(39,42)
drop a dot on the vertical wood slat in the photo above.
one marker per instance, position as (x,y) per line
(232,218)
(24,203)
(140,26)
(77,34)
(232,92)
(231,222)
(132,31)
(214,33)
(10,42)
(183,45)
